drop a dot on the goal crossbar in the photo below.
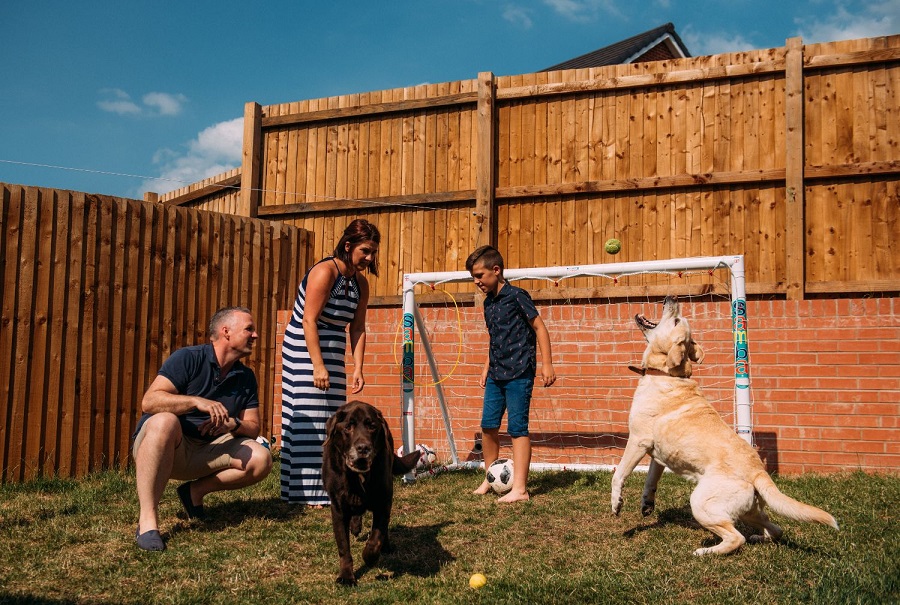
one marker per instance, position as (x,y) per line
(412,318)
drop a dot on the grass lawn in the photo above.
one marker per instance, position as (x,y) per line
(67,541)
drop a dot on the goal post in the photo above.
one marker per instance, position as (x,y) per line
(412,321)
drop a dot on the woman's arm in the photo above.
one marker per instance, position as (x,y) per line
(318,290)
(358,335)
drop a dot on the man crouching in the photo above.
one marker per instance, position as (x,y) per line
(200,423)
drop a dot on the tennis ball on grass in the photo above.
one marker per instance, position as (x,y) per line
(477,580)
(613,246)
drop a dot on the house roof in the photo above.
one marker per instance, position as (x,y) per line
(663,38)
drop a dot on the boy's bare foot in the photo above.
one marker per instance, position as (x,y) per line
(484,488)
(515,496)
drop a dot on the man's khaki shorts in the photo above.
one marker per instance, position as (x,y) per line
(195,458)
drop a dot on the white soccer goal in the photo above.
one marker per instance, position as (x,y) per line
(581,421)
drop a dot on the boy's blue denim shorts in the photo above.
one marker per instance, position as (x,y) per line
(502,395)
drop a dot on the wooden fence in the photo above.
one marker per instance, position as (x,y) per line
(96,292)
(789,156)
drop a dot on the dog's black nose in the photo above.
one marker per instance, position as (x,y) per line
(363,450)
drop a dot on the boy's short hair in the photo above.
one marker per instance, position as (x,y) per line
(488,256)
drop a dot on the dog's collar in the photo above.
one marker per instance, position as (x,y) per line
(646,371)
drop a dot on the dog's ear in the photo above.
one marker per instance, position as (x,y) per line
(383,434)
(403,465)
(695,351)
(331,424)
(675,357)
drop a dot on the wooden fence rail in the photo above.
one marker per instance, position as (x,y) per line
(96,293)
(788,156)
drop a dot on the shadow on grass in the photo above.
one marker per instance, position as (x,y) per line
(415,551)
(671,516)
(548,481)
(683,517)
(227,514)
(26,599)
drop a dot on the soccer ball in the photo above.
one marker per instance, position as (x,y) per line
(426,459)
(500,475)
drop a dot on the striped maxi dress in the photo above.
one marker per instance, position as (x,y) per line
(305,409)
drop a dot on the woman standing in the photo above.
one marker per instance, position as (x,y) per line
(333,294)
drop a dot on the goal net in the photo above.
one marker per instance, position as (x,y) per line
(581,422)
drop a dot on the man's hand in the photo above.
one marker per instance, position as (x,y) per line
(207,428)
(218,415)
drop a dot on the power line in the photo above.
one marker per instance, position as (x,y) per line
(272,191)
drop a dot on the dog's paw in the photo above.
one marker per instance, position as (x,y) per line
(372,552)
(617,506)
(345,580)
(704,551)
(647,507)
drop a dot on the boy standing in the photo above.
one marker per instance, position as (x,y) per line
(514,327)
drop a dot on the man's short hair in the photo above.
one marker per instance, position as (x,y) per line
(487,256)
(221,317)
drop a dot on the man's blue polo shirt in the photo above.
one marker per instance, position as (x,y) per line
(195,371)
(508,316)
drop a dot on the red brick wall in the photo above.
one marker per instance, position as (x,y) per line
(825,378)
(660,52)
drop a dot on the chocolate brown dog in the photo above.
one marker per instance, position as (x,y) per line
(358,468)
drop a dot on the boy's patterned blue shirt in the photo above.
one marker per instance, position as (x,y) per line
(508,316)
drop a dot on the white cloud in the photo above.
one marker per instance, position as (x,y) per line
(584,10)
(700,44)
(216,149)
(872,20)
(164,103)
(517,16)
(117,101)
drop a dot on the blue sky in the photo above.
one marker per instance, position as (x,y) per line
(104,97)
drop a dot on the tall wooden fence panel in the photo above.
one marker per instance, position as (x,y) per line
(408,167)
(96,293)
(788,156)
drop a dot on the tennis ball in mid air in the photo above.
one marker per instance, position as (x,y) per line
(477,580)
(613,246)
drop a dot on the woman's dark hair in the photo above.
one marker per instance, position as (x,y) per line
(357,232)
(489,256)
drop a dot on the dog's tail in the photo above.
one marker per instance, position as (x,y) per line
(787,506)
(403,464)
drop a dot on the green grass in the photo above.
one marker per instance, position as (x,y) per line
(67,541)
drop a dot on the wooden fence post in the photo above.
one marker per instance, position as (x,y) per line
(795,198)
(251,161)
(484,170)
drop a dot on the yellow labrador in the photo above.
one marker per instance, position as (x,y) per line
(672,421)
